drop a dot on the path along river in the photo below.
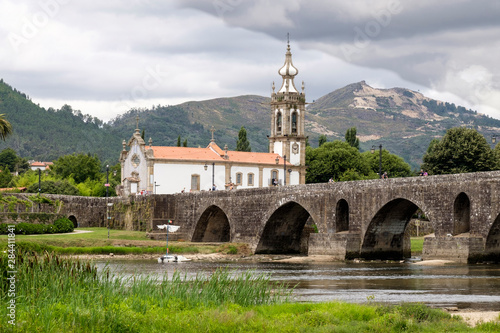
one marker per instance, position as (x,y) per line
(453,285)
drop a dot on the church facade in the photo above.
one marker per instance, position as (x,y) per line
(148,169)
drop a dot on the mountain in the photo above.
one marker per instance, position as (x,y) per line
(403,121)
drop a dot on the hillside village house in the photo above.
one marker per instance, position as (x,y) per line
(148,169)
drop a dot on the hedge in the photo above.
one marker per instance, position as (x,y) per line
(61,225)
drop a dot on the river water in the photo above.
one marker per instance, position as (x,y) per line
(460,285)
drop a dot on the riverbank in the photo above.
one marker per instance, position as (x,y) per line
(73,295)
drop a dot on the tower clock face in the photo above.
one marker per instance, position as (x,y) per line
(135,161)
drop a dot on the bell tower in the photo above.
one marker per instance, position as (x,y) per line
(288,108)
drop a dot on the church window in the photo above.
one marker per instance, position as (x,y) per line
(274,181)
(239,177)
(250,179)
(278,122)
(294,122)
(195,182)
(135,160)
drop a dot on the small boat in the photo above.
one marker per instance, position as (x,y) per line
(172,258)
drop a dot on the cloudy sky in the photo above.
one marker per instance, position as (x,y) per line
(104,57)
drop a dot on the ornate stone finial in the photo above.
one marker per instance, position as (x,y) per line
(124,144)
(303,87)
(273,87)
(137,122)
(225,152)
(213,131)
(150,142)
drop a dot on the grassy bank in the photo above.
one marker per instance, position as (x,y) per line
(121,242)
(60,295)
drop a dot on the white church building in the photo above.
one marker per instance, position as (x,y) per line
(148,169)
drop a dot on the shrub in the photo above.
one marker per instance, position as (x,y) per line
(63,225)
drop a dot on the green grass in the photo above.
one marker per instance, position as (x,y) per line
(61,295)
(121,242)
(417,245)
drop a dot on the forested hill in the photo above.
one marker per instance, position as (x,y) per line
(403,121)
(45,135)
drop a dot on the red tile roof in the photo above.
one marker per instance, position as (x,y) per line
(213,153)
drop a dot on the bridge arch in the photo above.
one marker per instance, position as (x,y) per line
(284,231)
(385,237)
(492,248)
(212,226)
(461,214)
(72,218)
(342,216)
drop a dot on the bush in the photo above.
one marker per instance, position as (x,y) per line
(63,225)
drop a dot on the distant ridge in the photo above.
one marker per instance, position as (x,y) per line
(402,120)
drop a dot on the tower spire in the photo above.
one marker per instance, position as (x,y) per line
(288,72)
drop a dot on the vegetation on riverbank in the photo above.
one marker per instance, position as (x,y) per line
(61,295)
(121,242)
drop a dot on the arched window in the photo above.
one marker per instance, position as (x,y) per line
(274,181)
(294,122)
(250,179)
(239,178)
(278,122)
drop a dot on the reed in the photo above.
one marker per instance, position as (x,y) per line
(55,294)
(54,291)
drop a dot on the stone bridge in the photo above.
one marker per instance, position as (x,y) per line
(356,219)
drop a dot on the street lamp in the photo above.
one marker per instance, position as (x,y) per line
(39,184)
(39,187)
(284,170)
(107,195)
(380,159)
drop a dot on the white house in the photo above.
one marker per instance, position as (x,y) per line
(164,170)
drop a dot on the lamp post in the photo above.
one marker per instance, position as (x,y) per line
(39,187)
(284,170)
(107,195)
(380,159)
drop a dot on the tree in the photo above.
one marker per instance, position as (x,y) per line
(337,160)
(185,143)
(242,144)
(496,151)
(5,177)
(5,127)
(179,141)
(460,150)
(322,139)
(9,159)
(80,167)
(394,165)
(351,139)
(54,187)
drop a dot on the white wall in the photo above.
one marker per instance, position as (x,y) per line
(294,158)
(245,170)
(141,169)
(173,178)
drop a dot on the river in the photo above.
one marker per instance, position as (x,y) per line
(458,285)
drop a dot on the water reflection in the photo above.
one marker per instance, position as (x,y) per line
(463,286)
